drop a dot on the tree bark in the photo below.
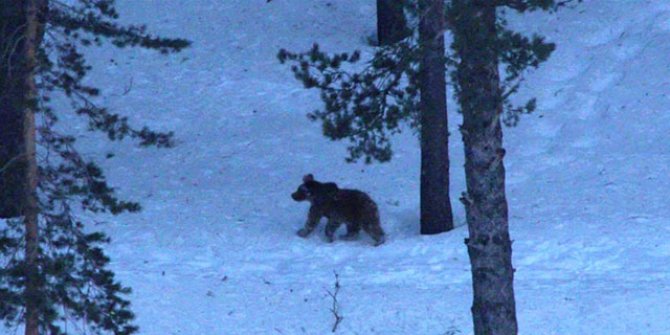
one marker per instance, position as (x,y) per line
(391,22)
(480,97)
(12,167)
(436,215)
(29,15)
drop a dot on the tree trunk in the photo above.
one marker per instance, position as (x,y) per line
(12,167)
(391,22)
(436,215)
(480,97)
(29,15)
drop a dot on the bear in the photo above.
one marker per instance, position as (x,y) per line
(352,207)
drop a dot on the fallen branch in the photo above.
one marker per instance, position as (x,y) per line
(335,308)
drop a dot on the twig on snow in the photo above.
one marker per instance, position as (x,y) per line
(335,308)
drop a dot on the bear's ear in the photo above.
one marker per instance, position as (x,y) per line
(307,178)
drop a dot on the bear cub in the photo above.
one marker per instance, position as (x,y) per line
(340,206)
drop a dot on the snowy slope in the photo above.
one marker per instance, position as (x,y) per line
(215,251)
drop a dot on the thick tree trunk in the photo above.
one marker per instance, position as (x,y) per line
(12,167)
(436,215)
(391,22)
(489,244)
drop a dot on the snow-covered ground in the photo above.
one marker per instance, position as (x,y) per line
(215,250)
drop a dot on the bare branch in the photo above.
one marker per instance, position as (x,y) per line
(10,163)
(335,308)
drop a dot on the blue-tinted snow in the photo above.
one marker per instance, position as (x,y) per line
(215,250)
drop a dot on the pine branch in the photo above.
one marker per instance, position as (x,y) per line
(366,106)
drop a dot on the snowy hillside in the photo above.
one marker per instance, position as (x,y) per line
(215,250)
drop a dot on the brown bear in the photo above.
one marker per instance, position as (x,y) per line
(352,207)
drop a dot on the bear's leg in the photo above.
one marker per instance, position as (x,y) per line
(352,231)
(375,231)
(331,227)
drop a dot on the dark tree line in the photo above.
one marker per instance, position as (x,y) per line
(54,271)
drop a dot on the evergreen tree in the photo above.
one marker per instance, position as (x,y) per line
(53,271)
(368,106)
(391,22)
(436,215)
(482,42)
(12,105)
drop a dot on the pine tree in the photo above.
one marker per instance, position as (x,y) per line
(436,215)
(54,272)
(489,244)
(391,22)
(12,105)
(369,106)
(34,31)
(19,106)
(481,42)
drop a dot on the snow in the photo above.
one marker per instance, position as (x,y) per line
(215,250)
